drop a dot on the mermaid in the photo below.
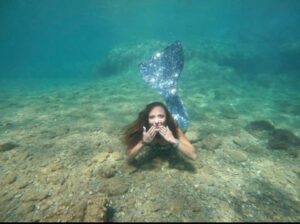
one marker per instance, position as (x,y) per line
(158,126)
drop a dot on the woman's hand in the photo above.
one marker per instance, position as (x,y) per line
(149,135)
(167,134)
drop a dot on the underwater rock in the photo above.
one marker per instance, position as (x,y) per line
(23,155)
(260,125)
(35,195)
(105,171)
(283,139)
(100,157)
(23,183)
(292,108)
(56,179)
(226,53)
(115,186)
(211,142)
(7,146)
(56,166)
(120,60)
(236,155)
(27,207)
(260,128)
(80,208)
(206,178)
(193,136)
(96,210)
(9,178)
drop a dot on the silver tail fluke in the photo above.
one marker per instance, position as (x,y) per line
(162,72)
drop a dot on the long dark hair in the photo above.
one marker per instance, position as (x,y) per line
(133,132)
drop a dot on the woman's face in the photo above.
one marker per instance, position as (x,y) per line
(157,117)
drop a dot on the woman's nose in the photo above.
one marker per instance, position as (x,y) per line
(156,121)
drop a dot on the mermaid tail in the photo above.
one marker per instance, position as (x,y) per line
(162,72)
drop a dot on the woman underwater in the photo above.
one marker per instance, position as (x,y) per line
(156,128)
(159,126)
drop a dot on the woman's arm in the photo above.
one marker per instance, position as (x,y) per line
(185,146)
(148,137)
(182,143)
(131,153)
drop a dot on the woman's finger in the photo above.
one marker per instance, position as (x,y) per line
(152,131)
(163,133)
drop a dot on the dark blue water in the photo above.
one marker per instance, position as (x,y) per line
(66,39)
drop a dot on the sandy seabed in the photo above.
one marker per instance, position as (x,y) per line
(62,159)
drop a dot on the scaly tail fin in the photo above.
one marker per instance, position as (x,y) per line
(162,72)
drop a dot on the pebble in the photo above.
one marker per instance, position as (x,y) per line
(9,178)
